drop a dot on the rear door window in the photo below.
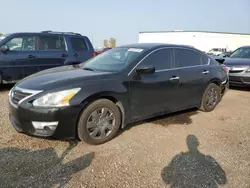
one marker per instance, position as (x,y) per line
(51,43)
(79,44)
(187,58)
(161,59)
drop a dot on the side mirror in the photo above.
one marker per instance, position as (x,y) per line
(220,60)
(4,48)
(145,70)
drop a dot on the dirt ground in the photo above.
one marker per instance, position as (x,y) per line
(187,149)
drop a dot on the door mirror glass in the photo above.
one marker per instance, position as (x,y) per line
(145,70)
(4,48)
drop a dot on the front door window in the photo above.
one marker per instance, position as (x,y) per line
(25,43)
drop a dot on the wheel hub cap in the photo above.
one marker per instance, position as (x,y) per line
(212,98)
(100,123)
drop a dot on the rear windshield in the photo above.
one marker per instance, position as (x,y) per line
(113,60)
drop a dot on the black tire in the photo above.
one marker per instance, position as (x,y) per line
(204,103)
(83,133)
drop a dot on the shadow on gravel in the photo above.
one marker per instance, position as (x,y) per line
(239,88)
(40,168)
(177,118)
(193,169)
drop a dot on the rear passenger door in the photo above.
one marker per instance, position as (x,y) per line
(82,51)
(51,51)
(193,74)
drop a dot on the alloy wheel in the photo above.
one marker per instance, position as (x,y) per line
(212,98)
(100,123)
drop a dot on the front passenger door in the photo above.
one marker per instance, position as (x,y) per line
(157,92)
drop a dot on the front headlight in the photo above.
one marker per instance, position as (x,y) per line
(56,99)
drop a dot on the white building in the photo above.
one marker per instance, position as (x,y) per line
(202,40)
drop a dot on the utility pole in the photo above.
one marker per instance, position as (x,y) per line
(92,38)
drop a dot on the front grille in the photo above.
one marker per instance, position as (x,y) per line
(18,95)
(235,71)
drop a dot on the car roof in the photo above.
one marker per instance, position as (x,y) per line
(47,33)
(244,47)
(153,45)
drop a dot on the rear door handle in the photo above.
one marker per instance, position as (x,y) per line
(174,78)
(205,72)
(31,56)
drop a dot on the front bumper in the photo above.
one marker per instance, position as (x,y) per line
(239,80)
(44,122)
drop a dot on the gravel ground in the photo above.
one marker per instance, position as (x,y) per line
(178,150)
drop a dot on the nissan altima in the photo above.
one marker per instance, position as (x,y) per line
(239,67)
(92,101)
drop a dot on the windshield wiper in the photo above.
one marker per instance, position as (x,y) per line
(86,68)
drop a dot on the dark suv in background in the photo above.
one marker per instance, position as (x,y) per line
(22,54)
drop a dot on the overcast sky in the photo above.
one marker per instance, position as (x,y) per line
(123,19)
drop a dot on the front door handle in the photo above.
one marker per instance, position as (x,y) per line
(174,78)
(205,72)
(31,56)
(64,55)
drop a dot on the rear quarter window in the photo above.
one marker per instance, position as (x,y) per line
(204,59)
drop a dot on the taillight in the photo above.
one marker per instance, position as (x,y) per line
(94,54)
(225,68)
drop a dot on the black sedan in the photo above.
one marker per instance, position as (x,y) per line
(93,100)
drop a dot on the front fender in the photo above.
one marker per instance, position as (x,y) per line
(114,92)
(72,62)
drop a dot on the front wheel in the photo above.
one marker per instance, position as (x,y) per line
(99,122)
(211,97)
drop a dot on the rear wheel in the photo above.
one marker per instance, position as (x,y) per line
(211,98)
(99,122)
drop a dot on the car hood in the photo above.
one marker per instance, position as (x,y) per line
(60,77)
(237,61)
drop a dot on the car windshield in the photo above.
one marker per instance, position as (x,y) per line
(241,53)
(113,60)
